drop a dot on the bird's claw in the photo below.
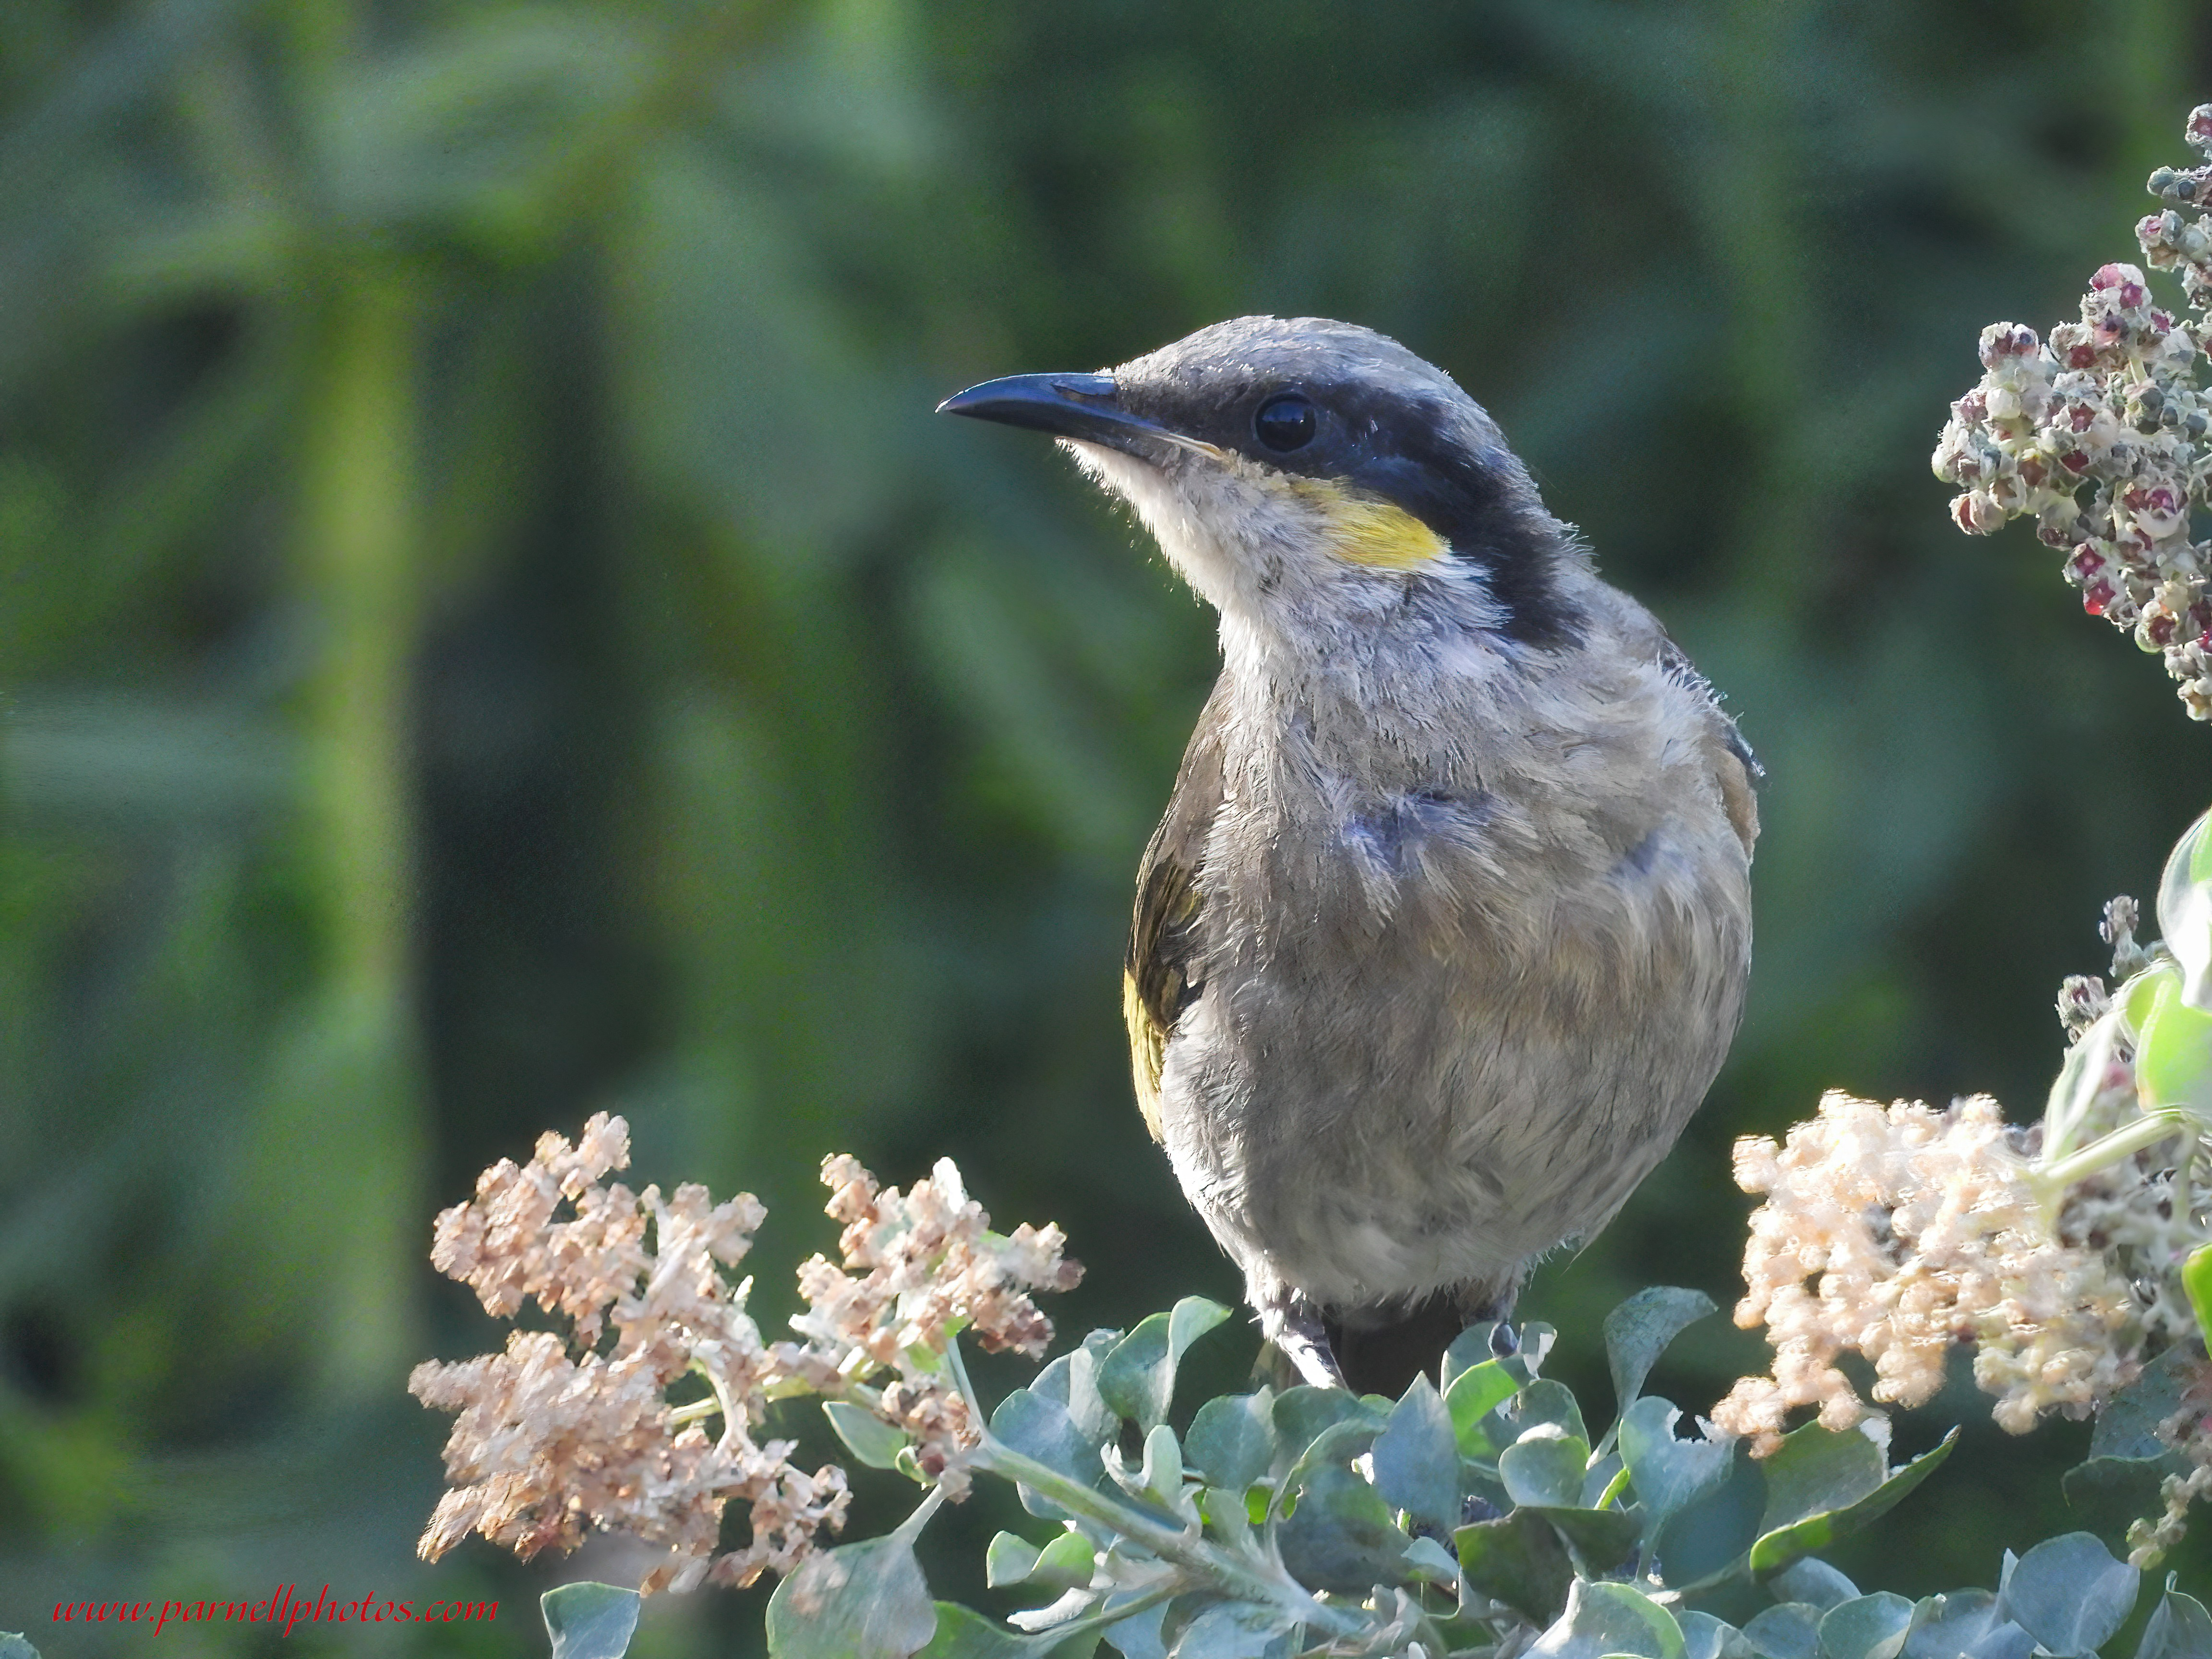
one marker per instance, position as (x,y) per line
(1296,1329)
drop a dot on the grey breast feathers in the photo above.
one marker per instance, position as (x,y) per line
(1165,966)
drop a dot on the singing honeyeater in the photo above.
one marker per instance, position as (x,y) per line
(1445,931)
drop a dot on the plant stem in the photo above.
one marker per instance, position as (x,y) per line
(1613,1488)
(2051,1181)
(1247,1581)
(1106,1616)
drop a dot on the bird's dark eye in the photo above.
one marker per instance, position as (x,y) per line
(1285,424)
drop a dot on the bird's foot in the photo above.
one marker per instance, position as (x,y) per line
(1295,1327)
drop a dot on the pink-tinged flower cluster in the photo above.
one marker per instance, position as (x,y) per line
(1898,1233)
(918,1270)
(561,1434)
(553,1436)
(2110,405)
(2179,237)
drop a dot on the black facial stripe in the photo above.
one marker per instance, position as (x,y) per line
(1482,505)
(1402,445)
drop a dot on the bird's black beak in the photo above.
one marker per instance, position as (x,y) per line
(1084,406)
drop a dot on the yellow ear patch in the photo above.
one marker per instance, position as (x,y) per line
(1366,530)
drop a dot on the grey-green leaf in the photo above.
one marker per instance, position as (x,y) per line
(1866,1627)
(1303,1414)
(963,1633)
(1067,1563)
(1473,1394)
(1604,1619)
(1416,1458)
(1137,1379)
(1161,1473)
(2107,1494)
(585,1620)
(1665,1472)
(1638,1331)
(2128,1425)
(1092,1415)
(1231,1630)
(1519,1560)
(1009,1560)
(1333,1447)
(1711,1535)
(2069,1594)
(1137,1636)
(1232,1439)
(1472,1347)
(1341,1537)
(2179,1628)
(1427,1559)
(866,1435)
(1469,1349)
(1779,1546)
(1964,1625)
(1544,1468)
(1812,1582)
(1039,1427)
(2005,1640)
(1789,1630)
(1598,1479)
(864,1600)
(14,1645)
(1603,1539)
(1073,1380)
(1816,1470)
(1703,1636)
(1547,1401)
(1534,1342)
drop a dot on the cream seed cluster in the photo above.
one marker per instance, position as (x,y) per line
(1900,1232)
(2110,405)
(563,1433)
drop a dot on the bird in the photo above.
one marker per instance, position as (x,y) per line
(1446,929)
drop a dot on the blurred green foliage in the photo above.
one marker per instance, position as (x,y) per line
(492,631)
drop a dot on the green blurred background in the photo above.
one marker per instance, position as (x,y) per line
(492,631)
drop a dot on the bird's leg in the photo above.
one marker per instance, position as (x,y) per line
(1495,1308)
(1294,1326)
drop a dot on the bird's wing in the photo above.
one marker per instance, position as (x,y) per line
(1735,769)
(1165,968)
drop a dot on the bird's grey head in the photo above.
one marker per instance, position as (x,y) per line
(1301,468)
